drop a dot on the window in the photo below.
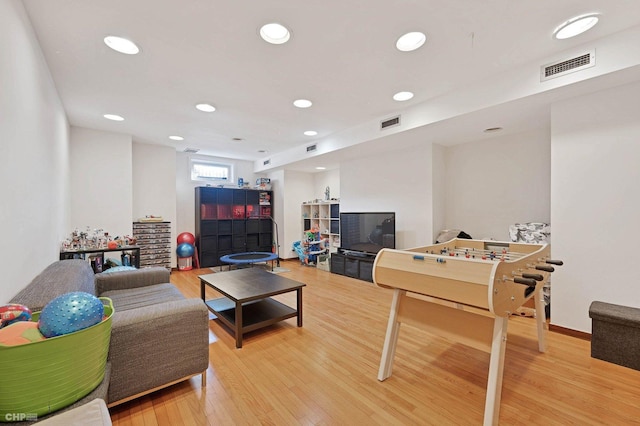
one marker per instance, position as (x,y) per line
(209,171)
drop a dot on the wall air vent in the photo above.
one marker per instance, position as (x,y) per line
(311,148)
(395,121)
(577,63)
(266,162)
(191,150)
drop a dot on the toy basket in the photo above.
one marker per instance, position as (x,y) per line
(41,377)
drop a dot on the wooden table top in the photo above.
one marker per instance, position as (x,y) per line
(244,285)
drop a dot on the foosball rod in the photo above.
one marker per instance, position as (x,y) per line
(547,266)
(480,252)
(537,277)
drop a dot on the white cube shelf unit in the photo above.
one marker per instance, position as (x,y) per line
(325,216)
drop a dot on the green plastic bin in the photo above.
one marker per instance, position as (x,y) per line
(39,378)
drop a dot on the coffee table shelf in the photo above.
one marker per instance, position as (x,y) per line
(255,314)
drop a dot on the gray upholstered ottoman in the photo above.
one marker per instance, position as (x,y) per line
(615,335)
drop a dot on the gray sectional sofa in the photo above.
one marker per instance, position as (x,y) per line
(158,336)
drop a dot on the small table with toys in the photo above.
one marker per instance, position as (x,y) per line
(80,253)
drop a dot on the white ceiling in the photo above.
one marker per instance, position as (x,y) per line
(341,56)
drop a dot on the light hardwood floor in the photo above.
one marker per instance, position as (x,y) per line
(326,372)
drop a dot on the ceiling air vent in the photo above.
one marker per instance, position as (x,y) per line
(577,63)
(266,162)
(191,150)
(311,148)
(395,121)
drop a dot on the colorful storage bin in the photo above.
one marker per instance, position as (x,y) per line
(39,378)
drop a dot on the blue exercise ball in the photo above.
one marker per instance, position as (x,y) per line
(69,313)
(185,250)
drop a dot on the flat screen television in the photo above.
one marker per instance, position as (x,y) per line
(367,232)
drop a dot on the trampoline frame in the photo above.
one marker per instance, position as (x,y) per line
(233,259)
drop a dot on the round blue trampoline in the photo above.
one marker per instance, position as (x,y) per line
(249,258)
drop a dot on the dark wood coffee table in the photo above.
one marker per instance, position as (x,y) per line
(247,303)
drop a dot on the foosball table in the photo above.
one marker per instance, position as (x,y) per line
(464,290)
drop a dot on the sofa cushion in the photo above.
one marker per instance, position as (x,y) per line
(63,276)
(125,280)
(138,297)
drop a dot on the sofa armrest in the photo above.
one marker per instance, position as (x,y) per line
(130,279)
(155,345)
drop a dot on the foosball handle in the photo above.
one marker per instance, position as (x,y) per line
(536,277)
(526,281)
(545,268)
(555,262)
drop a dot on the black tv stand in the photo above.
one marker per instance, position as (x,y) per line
(355,253)
(353,264)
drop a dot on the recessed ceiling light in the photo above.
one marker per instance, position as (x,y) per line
(206,107)
(576,26)
(493,129)
(302,103)
(113,117)
(402,96)
(275,33)
(121,45)
(310,133)
(176,138)
(411,41)
(321,168)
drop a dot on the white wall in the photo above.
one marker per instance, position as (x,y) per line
(331,179)
(34,136)
(154,186)
(394,181)
(101,181)
(595,152)
(438,190)
(185,194)
(498,182)
(296,188)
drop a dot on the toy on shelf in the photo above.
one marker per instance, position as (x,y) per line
(297,247)
(97,238)
(150,218)
(311,245)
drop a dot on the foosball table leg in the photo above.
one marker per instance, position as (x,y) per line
(540,318)
(391,338)
(496,370)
